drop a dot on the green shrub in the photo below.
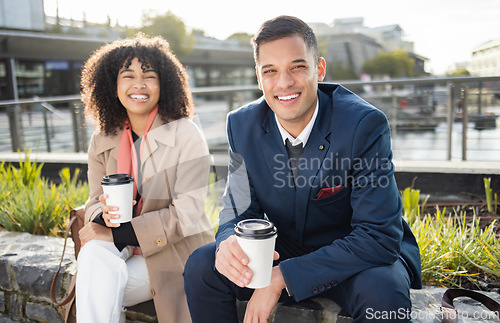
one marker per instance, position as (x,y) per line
(491,199)
(213,201)
(453,247)
(30,203)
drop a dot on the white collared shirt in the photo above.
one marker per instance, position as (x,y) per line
(304,135)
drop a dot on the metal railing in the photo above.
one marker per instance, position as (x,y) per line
(458,89)
(431,99)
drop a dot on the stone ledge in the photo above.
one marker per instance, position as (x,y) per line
(28,263)
(320,310)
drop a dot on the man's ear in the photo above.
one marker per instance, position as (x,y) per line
(321,69)
(258,77)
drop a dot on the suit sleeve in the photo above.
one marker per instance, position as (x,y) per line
(376,220)
(239,200)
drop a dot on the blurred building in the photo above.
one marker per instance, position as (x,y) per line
(347,44)
(42,56)
(22,14)
(485,59)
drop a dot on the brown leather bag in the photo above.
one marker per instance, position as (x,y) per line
(76,222)
(448,312)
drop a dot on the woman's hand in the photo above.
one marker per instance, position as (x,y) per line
(106,216)
(94,231)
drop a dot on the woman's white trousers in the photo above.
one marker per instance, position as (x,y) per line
(107,280)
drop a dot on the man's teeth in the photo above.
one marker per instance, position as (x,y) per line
(139,97)
(288,97)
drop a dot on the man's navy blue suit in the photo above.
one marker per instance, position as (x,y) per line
(323,243)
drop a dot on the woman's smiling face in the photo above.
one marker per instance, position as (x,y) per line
(138,90)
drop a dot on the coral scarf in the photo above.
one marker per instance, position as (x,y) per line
(127,155)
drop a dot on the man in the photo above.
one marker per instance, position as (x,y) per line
(335,204)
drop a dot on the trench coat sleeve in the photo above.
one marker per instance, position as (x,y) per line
(186,184)
(96,171)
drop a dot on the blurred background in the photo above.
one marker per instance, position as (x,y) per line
(432,67)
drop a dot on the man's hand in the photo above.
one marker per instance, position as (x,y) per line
(232,262)
(264,299)
(94,231)
(106,216)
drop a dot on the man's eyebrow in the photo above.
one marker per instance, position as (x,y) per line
(300,60)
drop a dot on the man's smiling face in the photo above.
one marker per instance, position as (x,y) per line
(288,76)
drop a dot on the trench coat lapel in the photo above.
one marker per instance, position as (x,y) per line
(160,133)
(111,144)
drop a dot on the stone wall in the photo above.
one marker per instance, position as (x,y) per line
(28,264)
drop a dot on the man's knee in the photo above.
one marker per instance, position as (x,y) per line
(383,292)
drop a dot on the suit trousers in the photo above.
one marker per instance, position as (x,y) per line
(107,280)
(375,294)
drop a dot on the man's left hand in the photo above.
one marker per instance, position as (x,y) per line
(263,300)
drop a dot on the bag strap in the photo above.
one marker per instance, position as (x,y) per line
(448,309)
(54,280)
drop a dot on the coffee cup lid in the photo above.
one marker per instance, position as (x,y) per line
(116,179)
(255,229)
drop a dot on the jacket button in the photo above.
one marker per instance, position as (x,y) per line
(152,292)
(315,290)
(328,286)
(159,241)
(334,283)
(321,288)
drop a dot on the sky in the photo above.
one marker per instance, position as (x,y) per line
(444,31)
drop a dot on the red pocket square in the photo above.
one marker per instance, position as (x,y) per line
(329,191)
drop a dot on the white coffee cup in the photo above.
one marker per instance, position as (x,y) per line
(257,238)
(120,191)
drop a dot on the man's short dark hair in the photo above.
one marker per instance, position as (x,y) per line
(281,27)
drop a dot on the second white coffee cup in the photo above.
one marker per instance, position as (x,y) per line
(257,238)
(120,191)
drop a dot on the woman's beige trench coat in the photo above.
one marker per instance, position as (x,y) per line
(173,223)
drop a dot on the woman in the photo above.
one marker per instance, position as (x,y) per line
(137,92)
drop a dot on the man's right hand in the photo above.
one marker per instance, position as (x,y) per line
(232,262)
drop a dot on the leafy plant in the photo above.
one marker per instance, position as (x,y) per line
(489,196)
(410,198)
(212,203)
(411,207)
(452,247)
(30,203)
(37,210)
(25,176)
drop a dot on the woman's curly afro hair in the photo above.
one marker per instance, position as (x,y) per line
(100,73)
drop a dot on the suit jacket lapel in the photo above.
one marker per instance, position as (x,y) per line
(315,151)
(276,157)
